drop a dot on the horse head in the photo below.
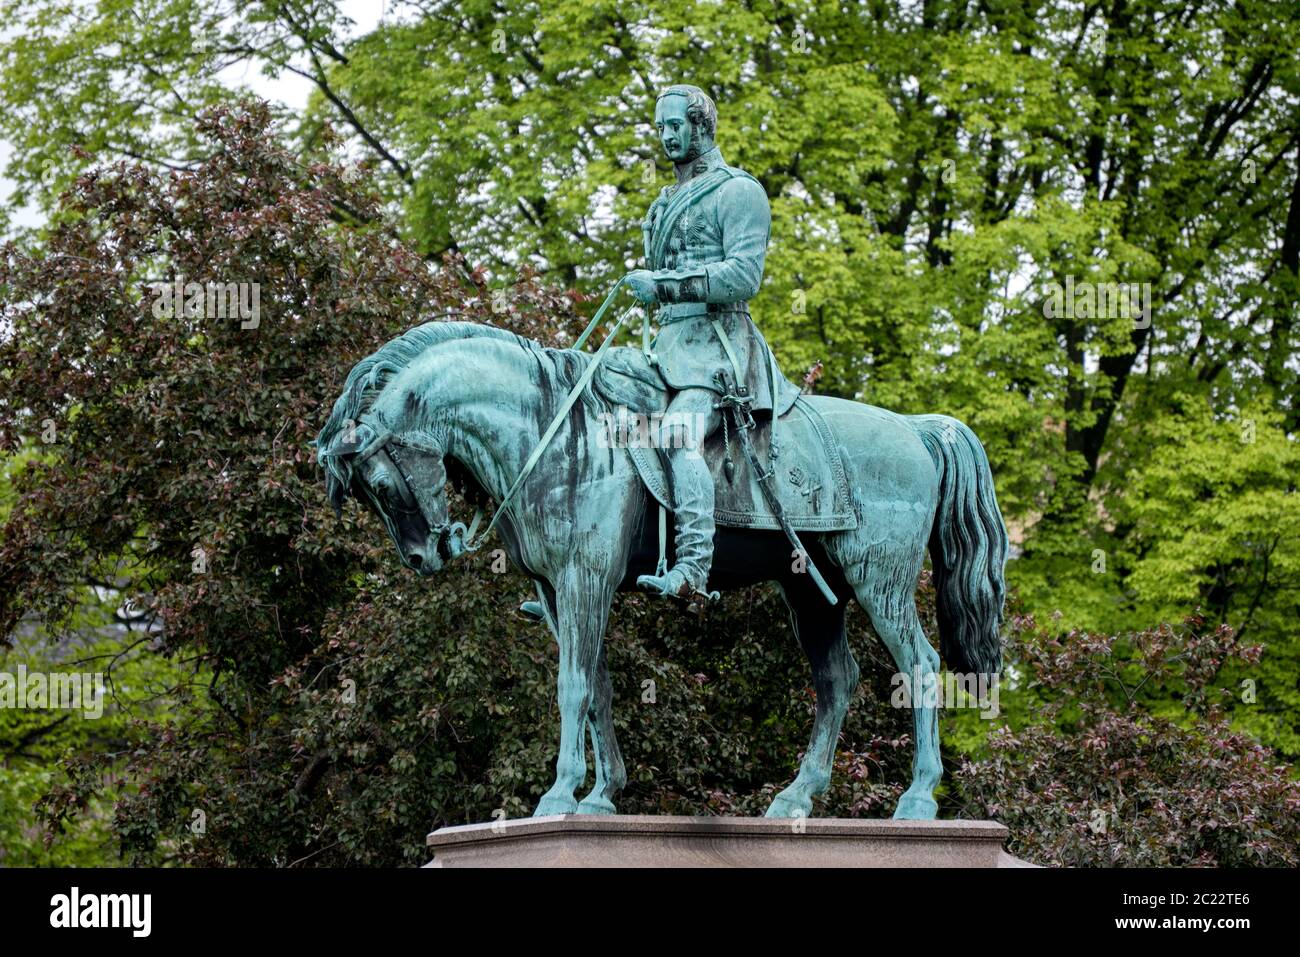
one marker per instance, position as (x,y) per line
(403,480)
(378,453)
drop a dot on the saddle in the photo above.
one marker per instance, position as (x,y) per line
(805,459)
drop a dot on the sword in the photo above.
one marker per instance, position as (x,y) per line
(764,479)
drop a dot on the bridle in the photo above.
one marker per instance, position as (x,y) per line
(408,497)
(448,536)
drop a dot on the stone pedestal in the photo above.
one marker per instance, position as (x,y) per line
(619,840)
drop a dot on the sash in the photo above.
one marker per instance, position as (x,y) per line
(658,227)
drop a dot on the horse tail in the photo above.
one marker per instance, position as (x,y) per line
(968,547)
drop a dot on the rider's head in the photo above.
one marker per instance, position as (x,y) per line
(686,119)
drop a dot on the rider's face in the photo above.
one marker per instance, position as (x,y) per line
(675,131)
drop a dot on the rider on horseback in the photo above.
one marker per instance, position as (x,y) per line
(705,242)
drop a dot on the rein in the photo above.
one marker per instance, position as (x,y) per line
(469,544)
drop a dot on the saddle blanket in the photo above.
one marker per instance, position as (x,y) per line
(806,460)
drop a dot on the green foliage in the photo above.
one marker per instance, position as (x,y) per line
(99,639)
(1092,778)
(931,168)
(1206,518)
(340,706)
(181,475)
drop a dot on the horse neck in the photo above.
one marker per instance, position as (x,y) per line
(482,401)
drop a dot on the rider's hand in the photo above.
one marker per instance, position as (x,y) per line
(642,284)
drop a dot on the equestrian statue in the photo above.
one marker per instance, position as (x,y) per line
(832,500)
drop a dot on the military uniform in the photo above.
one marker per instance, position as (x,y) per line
(705,242)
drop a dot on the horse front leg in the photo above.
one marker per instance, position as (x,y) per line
(582,608)
(611,775)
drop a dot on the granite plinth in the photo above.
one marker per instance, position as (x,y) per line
(622,840)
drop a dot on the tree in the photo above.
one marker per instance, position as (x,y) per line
(933,168)
(1087,776)
(331,707)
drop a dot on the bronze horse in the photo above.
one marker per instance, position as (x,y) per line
(477,400)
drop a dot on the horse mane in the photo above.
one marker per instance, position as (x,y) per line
(372,374)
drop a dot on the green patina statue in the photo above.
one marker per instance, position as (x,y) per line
(528,428)
(705,242)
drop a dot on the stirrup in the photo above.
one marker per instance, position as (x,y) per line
(674,584)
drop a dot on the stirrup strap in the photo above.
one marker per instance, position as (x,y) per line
(772,373)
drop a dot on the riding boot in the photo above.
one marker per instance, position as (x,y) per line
(692,488)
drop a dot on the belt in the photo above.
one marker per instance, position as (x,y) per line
(677,311)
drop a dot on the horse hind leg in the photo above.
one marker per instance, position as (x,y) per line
(885,584)
(819,627)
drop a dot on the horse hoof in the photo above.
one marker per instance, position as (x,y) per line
(549,806)
(789,807)
(533,611)
(912,807)
(596,805)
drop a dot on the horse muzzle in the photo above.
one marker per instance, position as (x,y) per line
(423,561)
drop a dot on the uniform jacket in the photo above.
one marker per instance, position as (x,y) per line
(705,242)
